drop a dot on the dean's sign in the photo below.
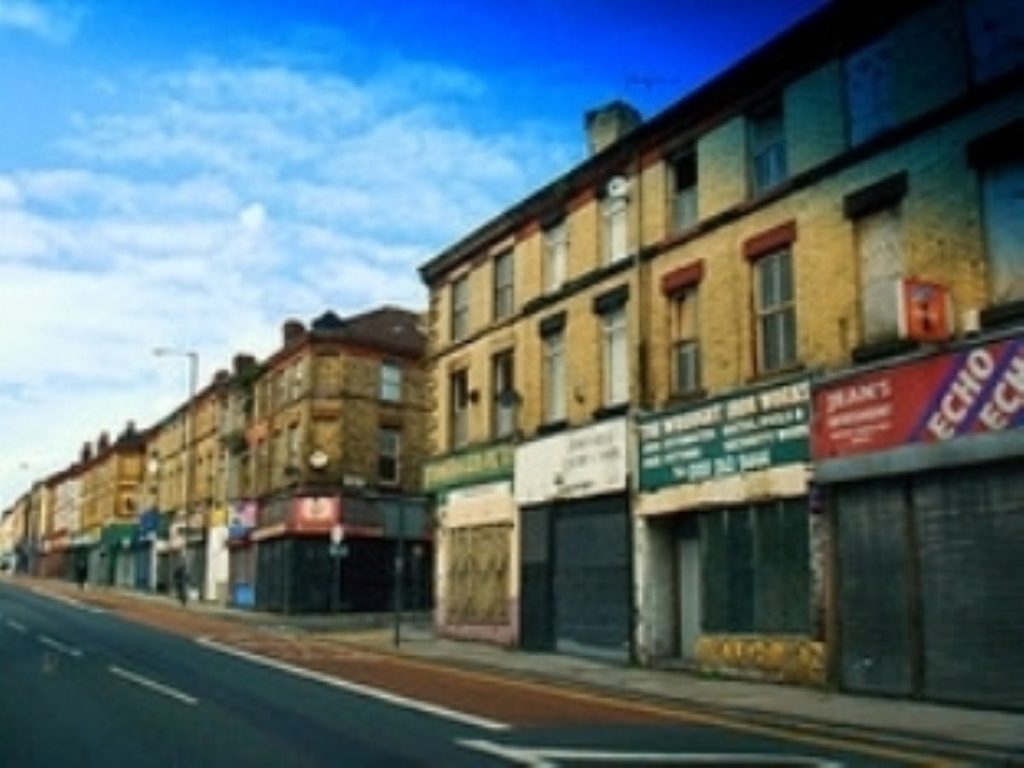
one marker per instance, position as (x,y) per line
(756,430)
(939,398)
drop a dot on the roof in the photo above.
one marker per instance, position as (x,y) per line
(387,328)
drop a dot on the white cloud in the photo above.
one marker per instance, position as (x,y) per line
(52,22)
(232,198)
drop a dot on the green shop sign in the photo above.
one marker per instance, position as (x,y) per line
(494,463)
(759,429)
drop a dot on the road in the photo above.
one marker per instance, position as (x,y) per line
(90,681)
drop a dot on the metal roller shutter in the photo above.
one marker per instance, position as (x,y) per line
(592,577)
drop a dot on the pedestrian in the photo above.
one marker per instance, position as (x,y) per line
(180,583)
(81,572)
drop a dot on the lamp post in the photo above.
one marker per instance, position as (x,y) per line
(193,379)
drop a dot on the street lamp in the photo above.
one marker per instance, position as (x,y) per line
(193,377)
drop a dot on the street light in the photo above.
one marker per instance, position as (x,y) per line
(193,377)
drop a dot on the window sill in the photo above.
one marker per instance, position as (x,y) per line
(610,411)
(683,398)
(778,373)
(877,350)
(552,426)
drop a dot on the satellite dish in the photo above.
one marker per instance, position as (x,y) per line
(318,459)
(618,187)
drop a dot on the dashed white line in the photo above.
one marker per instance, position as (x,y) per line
(153,685)
(16,626)
(361,690)
(57,645)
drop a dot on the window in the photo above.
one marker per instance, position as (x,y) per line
(683,195)
(503,394)
(767,148)
(556,253)
(296,381)
(390,382)
(755,570)
(1003,200)
(880,255)
(613,216)
(388,455)
(869,90)
(459,408)
(685,345)
(615,356)
(554,377)
(776,314)
(504,295)
(996,32)
(460,308)
(293,459)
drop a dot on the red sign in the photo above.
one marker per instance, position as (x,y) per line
(940,398)
(315,513)
(925,311)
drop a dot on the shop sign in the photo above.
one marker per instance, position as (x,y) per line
(242,518)
(315,513)
(932,400)
(584,462)
(757,430)
(494,462)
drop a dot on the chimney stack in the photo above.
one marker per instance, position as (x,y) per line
(606,125)
(292,331)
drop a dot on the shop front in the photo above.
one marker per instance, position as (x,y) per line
(729,551)
(477,578)
(575,542)
(921,464)
(242,518)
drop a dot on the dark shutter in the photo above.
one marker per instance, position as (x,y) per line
(535,630)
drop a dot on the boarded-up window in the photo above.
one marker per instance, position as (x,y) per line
(880,252)
(755,568)
(1003,186)
(996,31)
(478,575)
(869,90)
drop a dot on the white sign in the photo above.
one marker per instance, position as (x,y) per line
(583,462)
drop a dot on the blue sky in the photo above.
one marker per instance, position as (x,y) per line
(192,173)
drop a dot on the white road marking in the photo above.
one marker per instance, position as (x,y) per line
(57,645)
(16,626)
(67,600)
(361,690)
(152,685)
(546,757)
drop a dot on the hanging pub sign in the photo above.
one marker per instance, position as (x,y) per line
(939,398)
(755,430)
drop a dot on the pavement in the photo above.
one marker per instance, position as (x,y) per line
(989,736)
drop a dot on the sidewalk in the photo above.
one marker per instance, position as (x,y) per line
(995,737)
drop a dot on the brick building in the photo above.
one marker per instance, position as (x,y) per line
(648,335)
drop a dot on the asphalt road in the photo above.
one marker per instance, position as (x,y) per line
(82,684)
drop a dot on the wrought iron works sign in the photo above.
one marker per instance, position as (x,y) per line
(759,429)
(493,463)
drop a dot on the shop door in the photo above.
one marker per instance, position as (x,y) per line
(535,602)
(876,644)
(970,530)
(591,578)
(689,586)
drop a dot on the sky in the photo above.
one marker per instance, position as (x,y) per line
(191,174)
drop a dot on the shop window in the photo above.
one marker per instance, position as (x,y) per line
(767,148)
(685,343)
(503,394)
(504,293)
(869,98)
(776,311)
(390,382)
(683,191)
(460,308)
(556,255)
(995,29)
(755,569)
(554,376)
(1003,201)
(388,455)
